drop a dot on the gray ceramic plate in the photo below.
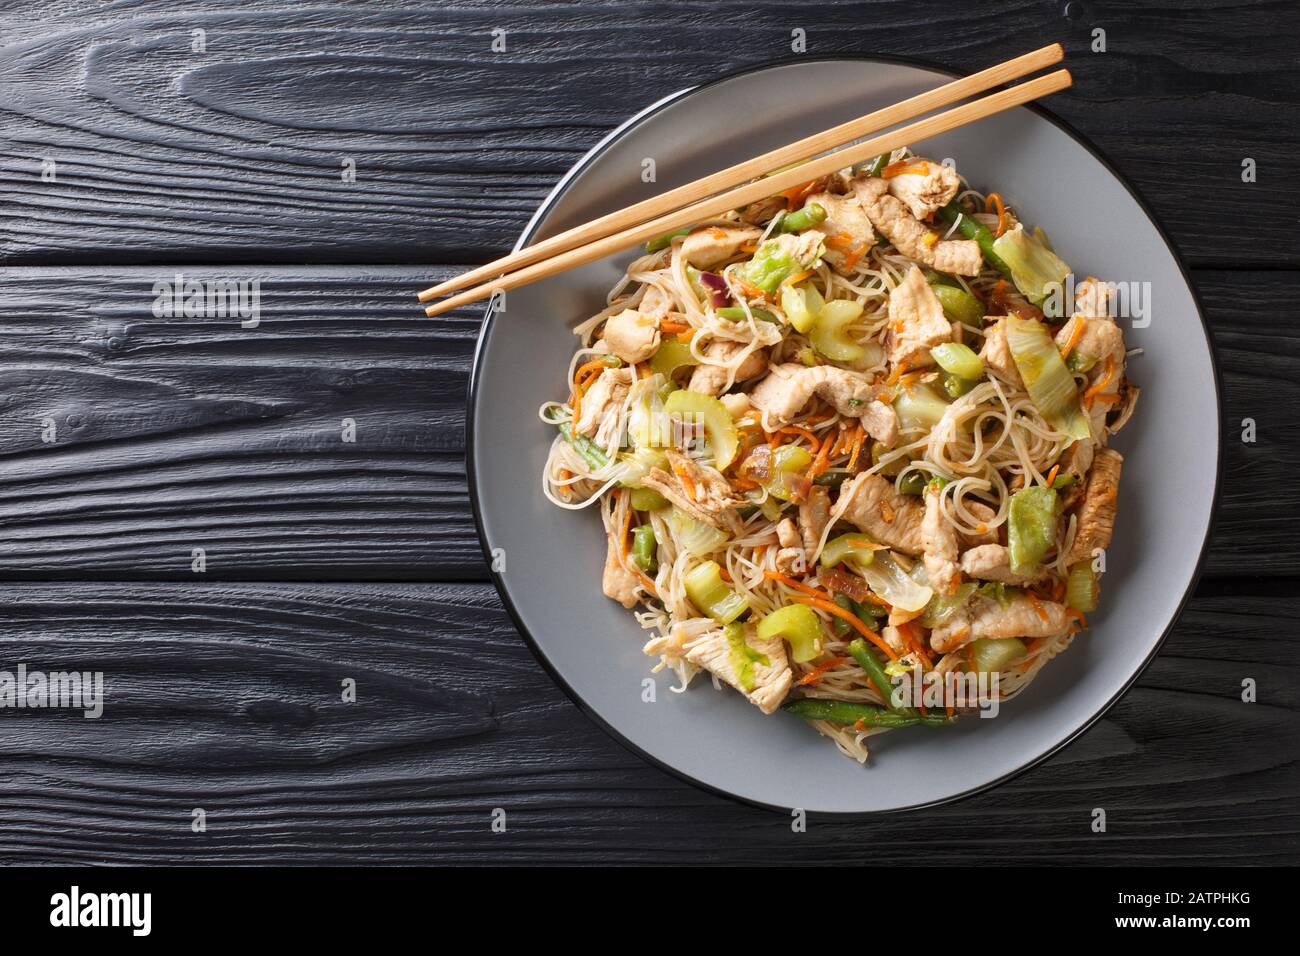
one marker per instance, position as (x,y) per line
(551,559)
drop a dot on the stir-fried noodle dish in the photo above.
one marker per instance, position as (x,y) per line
(849,446)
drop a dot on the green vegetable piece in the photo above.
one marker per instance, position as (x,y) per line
(1031,526)
(851,547)
(874,167)
(919,407)
(645,548)
(789,463)
(992,654)
(798,626)
(734,313)
(850,712)
(587,449)
(1080,362)
(743,657)
(771,266)
(724,437)
(810,215)
(670,356)
(958,359)
(944,606)
(1081,588)
(913,483)
(647,499)
(958,304)
(666,240)
(868,661)
(1035,269)
(998,591)
(708,592)
(829,334)
(1048,381)
(955,387)
(801,304)
(972,228)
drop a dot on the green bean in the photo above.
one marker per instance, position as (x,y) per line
(876,166)
(972,228)
(913,483)
(735,313)
(868,662)
(666,240)
(645,548)
(850,712)
(831,479)
(807,217)
(956,386)
(587,449)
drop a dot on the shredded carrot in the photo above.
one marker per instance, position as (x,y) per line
(795,194)
(725,575)
(798,430)
(996,200)
(672,326)
(797,277)
(1051,475)
(905,166)
(886,512)
(982,528)
(822,461)
(623,527)
(816,674)
(1038,605)
(684,477)
(1099,386)
(686,335)
(896,373)
(1076,333)
(851,258)
(594,364)
(858,434)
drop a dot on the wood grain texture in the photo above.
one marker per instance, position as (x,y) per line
(236,153)
(173,434)
(227,698)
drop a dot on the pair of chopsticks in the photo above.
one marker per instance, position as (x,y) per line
(713,195)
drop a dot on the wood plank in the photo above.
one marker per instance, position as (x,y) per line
(454,718)
(236,153)
(174,434)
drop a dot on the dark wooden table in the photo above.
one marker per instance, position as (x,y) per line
(135,148)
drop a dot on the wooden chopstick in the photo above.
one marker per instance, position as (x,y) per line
(758,166)
(772,185)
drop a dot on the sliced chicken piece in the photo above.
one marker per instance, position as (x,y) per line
(710,246)
(886,516)
(787,534)
(939,546)
(983,515)
(1100,340)
(1075,461)
(764,682)
(992,562)
(814,512)
(996,352)
(912,237)
(1097,512)
(1092,298)
(847,226)
(618,582)
(791,561)
(789,387)
(916,322)
(700,491)
(602,403)
(737,404)
(926,189)
(760,213)
(655,302)
(984,617)
(713,379)
(631,335)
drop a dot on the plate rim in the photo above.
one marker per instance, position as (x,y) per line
(559,190)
